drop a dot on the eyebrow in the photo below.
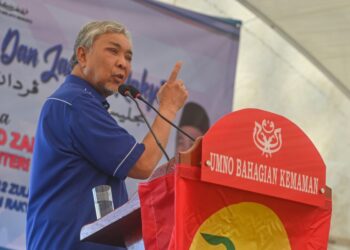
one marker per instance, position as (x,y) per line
(119,46)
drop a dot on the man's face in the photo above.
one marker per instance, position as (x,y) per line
(108,63)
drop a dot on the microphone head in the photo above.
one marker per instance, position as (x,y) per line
(123,89)
(134,91)
(126,90)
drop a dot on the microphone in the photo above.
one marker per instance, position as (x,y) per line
(135,93)
(124,91)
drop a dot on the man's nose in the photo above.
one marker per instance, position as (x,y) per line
(121,62)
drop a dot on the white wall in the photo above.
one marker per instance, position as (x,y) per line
(273,76)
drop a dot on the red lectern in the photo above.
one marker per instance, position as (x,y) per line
(254,181)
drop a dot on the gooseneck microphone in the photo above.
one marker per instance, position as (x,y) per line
(135,93)
(125,91)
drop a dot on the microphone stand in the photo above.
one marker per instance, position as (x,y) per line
(135,93)
(148,125)
(163,117)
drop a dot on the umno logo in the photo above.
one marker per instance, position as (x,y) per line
(267,138)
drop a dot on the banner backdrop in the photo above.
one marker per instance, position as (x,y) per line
(36,42)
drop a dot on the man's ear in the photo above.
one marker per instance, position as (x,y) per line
(81,56)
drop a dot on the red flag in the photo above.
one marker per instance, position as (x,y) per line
(157,211)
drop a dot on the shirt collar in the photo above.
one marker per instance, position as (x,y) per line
(87,87)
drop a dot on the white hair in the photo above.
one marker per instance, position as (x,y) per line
(91,31)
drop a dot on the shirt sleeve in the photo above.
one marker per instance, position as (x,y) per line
(100,140)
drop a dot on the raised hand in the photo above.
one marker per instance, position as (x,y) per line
(173,94)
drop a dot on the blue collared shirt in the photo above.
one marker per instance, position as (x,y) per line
(78,146)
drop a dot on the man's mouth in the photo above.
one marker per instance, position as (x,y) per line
(119,77)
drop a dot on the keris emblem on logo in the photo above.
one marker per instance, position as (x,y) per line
(267,138)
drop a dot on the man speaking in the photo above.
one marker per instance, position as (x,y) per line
(79,145)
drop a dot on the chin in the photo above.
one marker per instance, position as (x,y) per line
(110,91)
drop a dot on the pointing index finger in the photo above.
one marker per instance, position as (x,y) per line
(175,72)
